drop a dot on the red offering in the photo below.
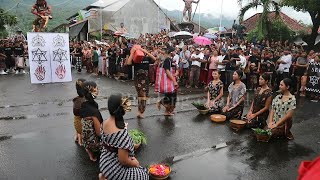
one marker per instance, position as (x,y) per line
(138,55)
(159,171)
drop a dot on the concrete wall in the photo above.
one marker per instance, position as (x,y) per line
(138,16)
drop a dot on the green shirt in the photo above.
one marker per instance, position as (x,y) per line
(95,56)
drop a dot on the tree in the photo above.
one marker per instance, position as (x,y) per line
(264,24)
(6,19)
(313,8)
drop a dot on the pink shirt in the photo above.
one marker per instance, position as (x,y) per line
(213,62)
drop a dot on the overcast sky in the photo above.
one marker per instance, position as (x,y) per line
(230,9)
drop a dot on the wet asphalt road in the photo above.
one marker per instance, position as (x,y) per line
(36,136)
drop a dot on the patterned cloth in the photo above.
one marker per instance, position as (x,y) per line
(109,164)
(281,108)
(141,82)
(77,124)
(259,102)
(236,93)
(90,140)
(214,91)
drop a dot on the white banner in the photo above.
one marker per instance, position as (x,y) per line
(49,57)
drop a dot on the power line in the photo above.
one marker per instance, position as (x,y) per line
(10,9)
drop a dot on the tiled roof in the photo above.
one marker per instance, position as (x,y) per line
(294,25)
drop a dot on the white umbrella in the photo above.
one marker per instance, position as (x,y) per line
(183,35)
(171,34)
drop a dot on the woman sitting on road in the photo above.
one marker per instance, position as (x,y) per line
(215,92)
(235,101)
(91,120)
(117,159)
(283,106)
(259,110)
(77,102)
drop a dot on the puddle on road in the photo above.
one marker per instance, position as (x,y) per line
(8,118)
(24,135)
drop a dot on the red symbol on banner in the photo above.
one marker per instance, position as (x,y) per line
(40,73)
(61,71)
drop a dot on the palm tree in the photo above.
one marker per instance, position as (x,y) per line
(264,23)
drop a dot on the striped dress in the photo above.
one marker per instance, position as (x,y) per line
(109,164)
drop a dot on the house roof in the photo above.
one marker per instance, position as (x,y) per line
(110,5)
(292,24)
(116,5)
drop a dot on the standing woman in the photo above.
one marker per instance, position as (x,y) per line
(117,159)
(215,92)
(259,110)
(169,80)
(213,65)
(91,120)
(141,78)
(77,102)
(87,53)
(235,101)
(283,106)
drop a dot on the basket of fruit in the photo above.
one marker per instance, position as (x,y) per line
(262,135)
(201,108)
(159,171)
(138,138)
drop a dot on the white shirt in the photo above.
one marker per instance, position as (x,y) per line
(285,67)
(176,59)
(197,63)
(221,67)
(242,62)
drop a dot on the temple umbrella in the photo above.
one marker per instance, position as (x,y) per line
(203,41)
(183,35)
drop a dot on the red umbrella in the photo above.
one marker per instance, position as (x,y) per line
(203,41)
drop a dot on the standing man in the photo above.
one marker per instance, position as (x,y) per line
(197,59)
(284,62)
(18,54)
(184,58)
(188,7)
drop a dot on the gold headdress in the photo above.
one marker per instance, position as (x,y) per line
(126,104)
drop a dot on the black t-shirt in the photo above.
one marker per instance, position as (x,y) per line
(167,64)
(203,65)
(125,53)
(18,51)
(79,52)
(8,51)
(144,65)
(112,54)
(254,59)
(232,64)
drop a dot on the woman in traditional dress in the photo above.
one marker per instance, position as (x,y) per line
(91,120)
(141,78)
(283,106)
(235,101)
(259,110)
(117,159)
(215,92)
(171,72)
(77,102)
